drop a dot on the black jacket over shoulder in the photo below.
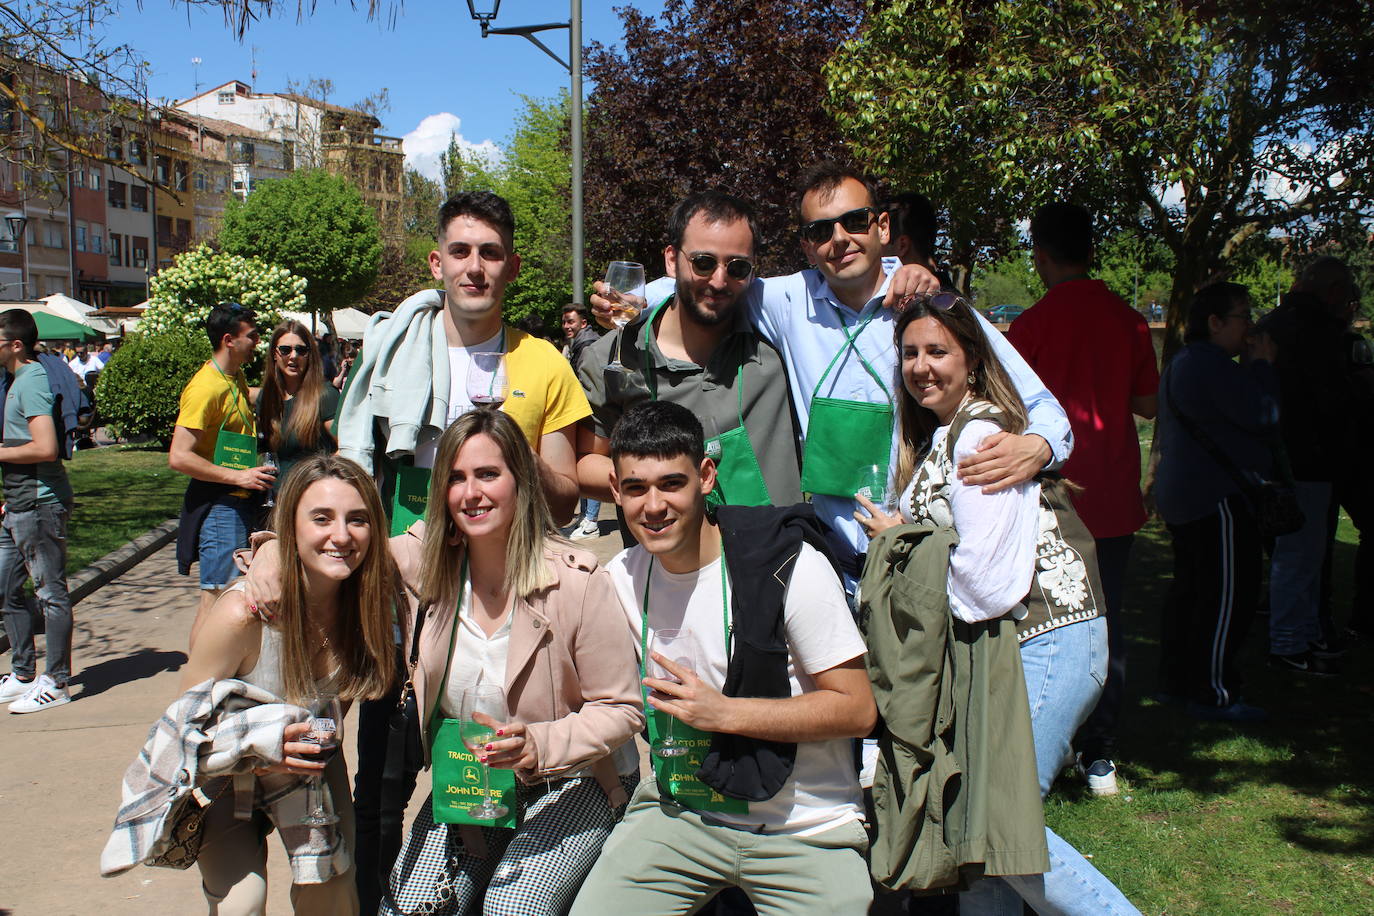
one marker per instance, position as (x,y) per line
(761,547)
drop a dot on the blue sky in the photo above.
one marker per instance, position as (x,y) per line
(443,77)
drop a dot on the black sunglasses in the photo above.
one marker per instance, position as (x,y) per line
(703,265)
(288,349)
(942,301)
(855,222)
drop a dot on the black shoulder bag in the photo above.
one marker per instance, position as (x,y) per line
(405,756)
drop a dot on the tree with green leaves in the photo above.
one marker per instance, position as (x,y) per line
(711,94)
(315,225)
(1202,125)
(183,294)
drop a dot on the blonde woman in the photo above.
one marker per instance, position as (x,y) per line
(331,635)
(510,603)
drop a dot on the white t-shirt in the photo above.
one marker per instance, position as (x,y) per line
(459,359)
(823,791)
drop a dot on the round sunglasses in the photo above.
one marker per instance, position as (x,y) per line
(703,265)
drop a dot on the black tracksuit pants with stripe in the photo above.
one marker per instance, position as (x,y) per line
(1211,603)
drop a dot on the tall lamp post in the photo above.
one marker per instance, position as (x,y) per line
(484,11)
(17,221)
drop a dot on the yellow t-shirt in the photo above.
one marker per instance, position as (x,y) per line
(544,394)
(208,403)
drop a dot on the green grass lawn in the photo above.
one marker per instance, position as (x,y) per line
(1221,819)
(121,492)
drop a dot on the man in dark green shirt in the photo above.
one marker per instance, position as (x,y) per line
(33,534)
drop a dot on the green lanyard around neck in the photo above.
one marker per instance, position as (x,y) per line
(644,623)
(234,390)
(850,342)
(651,380)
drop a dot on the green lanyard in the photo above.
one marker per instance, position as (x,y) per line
(651,380)
(849,342)
(644,624)
(234,390)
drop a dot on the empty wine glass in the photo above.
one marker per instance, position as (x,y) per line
(873,484)
(483,708)
(625,290)
(487,379)
(326,730)
(681,647)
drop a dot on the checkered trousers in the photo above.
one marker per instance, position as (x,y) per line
(533,870)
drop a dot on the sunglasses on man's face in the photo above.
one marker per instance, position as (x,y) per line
(703,265)
(855,222)
(284,350)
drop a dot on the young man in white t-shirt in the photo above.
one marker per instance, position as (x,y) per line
(802,849)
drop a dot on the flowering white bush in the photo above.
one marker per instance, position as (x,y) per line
(183,294)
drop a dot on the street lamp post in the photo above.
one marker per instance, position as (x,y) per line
(17,222)
(484,11)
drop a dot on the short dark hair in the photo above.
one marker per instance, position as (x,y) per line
(827,175)
(1214,299)
(658,429)
(1064,232)
(225,318)
(581,311)
(17,324)
(490,208)
(717,207)
(913,215)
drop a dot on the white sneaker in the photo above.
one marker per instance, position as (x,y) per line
(588,529)
(11,688)
(44,694)
(1100,775)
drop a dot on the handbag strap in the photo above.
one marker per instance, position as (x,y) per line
(1194,429)
(397,771)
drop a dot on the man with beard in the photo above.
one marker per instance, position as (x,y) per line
(697,348)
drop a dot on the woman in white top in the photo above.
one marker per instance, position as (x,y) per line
(332,634)
(952,382)
(509,603)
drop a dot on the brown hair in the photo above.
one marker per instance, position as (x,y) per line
(364,649)
(526,571)
(991,383)
(305,419)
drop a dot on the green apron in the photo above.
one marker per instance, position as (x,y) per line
(843,438)
(739,478)
(235,450)
(411,493)
(457,776)
(677,776)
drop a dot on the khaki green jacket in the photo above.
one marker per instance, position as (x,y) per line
(955,794)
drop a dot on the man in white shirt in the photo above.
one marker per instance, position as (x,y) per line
(84,361)
(798,846)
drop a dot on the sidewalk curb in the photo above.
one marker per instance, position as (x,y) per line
(119,561)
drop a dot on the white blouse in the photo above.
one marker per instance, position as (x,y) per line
(991,568)
(477,658)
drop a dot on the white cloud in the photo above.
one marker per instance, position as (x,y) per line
(426,143)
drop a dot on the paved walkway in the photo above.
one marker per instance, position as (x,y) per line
(60,770)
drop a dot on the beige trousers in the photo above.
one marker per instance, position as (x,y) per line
(233,860)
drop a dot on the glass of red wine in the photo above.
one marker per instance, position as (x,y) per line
(326,730)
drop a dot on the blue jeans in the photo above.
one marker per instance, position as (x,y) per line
(590,509)
(33,544)
(1295,575)
(1065,670)
(224,530)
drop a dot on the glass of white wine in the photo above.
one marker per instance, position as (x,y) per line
(484,706)
(681,647)
(625,290)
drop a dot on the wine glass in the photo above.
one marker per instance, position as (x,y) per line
(326,730)
(269,460)
(681,647)
(487,379)
(873,484)
(489,702)
(624,279)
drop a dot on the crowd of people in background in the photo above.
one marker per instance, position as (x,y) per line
(870,604)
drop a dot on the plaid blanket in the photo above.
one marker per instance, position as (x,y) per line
(219,728)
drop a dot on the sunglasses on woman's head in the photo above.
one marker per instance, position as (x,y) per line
(855,222)
(703,265)
(288,349)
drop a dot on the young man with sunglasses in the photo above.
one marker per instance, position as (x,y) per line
(697,347)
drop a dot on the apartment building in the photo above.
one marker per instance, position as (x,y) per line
(128,216)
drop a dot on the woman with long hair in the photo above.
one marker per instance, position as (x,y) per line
(331,636)
(511,604)
(1021,551)
(296,403)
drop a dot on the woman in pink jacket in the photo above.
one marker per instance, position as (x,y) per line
(510,603)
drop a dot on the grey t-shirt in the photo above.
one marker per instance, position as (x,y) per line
(33,484)
(713,393)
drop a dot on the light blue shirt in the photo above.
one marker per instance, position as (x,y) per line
(800,316)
